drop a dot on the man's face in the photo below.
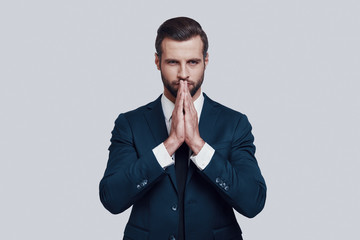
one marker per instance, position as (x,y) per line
(182,60)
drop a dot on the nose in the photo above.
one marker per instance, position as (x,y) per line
(183,73)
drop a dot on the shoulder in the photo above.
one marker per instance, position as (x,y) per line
(139,112)
(225,121)
(225,111)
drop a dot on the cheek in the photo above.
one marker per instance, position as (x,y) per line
(169,73)
(197,73)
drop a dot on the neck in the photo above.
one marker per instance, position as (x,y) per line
(197,95)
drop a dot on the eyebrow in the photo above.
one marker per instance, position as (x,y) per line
(170,59)
(195,59)
(191,59)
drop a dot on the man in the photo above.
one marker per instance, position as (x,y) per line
(183,161)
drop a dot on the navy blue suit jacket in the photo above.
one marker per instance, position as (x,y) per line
(133,177)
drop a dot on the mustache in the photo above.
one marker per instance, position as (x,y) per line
(177,82)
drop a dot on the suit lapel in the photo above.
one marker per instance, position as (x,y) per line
(156,121)
(209,114)
(208,117)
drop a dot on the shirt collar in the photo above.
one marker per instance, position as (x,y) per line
(168,106)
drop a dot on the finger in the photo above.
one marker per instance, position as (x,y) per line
(178,95)
(185,87)
(187,101)
(181,86)
(182,92)
(192,106)
(185,94)
(180,107)
(191,109)
(178,102)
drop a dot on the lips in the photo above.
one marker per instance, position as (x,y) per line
(188,83)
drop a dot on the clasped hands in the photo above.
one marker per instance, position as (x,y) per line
(184,125)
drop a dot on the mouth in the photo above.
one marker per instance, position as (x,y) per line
(188,83)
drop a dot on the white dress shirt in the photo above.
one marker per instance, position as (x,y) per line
(203,158)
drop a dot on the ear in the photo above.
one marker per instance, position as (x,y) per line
(206,60)
(157,61)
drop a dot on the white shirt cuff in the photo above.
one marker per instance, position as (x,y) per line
(162,156)
(202,159)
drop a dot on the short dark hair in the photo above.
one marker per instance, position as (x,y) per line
(180,29)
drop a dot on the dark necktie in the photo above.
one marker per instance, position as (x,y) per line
(181,167)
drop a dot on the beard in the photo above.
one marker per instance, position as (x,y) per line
(171,87)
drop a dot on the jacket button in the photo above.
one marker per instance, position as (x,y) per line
(138,186)
(222,184)
(174,207)
(172,237)
(217,180)
(143,183)
(226,188)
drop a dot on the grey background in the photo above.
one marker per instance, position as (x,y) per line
(68,68)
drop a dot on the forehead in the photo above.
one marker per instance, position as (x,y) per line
(192,48)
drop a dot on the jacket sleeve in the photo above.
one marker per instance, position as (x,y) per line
(237,176)
(128,176)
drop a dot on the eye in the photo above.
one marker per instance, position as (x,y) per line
(193,62)
(172,62)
